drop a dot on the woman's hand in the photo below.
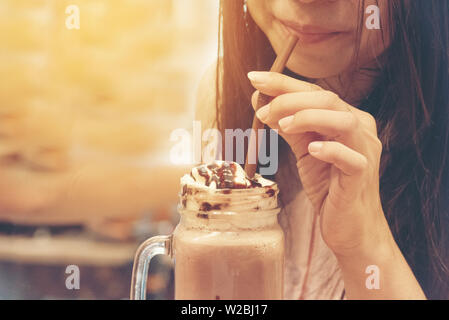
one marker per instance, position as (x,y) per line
(338,155)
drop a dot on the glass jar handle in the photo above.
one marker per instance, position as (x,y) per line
(146,251)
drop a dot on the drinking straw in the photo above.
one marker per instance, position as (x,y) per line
(262,100)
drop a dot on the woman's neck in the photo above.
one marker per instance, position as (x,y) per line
(352,87)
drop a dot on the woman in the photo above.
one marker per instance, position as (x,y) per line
(363,116)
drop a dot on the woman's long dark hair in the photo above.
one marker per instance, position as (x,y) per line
(410,101)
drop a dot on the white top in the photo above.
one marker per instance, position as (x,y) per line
(324,278)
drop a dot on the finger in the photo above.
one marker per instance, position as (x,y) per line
(274,84)
(329,123)
(291,103)
(254,99)
(299,143)
(344,158)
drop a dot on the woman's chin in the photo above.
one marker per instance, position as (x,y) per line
(316,60)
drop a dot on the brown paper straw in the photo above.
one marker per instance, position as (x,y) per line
(278,66)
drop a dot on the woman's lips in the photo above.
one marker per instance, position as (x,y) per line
(309,34)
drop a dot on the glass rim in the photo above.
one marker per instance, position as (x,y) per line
(217,214)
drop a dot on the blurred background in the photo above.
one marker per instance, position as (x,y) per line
(85,122)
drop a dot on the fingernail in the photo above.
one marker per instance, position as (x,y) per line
(315,147)
(263,112)
(257,77)
(285,123)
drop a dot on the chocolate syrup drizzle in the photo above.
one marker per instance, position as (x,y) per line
(224,176)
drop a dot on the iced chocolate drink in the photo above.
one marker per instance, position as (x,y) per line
(228,244)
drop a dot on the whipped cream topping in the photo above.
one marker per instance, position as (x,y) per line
(223,186)
(223,175)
